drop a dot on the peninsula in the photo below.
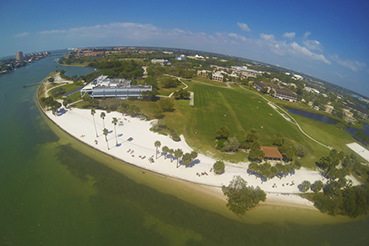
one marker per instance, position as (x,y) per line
(188,117)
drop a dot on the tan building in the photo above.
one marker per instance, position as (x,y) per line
(217,76)
(329,108)
(203,73)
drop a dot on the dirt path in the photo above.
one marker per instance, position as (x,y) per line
(292,120)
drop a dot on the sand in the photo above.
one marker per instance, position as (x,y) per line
(138,151)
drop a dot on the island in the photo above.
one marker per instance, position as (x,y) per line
(236,126)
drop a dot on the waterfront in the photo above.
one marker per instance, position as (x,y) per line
(54,194)
(313,116)
(359,134)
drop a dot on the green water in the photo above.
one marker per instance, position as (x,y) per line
(53,194)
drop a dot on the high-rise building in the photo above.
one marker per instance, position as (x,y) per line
(19,56)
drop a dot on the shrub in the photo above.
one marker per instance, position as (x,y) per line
(242,197)
(218,167)
(304,186)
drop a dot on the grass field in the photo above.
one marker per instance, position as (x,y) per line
(241,111)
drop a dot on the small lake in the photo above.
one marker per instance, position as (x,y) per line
(313,116)
(360,134)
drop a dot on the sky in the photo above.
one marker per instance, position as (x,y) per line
(326,39)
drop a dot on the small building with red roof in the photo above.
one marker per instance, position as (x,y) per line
(271,153)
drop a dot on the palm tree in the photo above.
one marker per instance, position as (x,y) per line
(93,112)
(178,153)
(102,116)
(193,155)
(157,145)
(115,121)
(165,150)
(106,132)
(171,153)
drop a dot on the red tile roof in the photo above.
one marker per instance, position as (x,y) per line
(271,152)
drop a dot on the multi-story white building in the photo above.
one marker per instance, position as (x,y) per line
(104,87)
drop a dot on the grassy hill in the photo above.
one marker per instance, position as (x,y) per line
(242,110)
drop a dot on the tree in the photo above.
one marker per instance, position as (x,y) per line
(242,197)
(300,151)
(304,186)
(193,155)
(288,151)
(93,112)
(169,82)
(231,145)
(316,186)
(51,79)
(218,167)
(171,152)
(115,121)
(222,133)
(165,150)
(178,154)
(102,116)
(187,159)
(166,105)
(106,132)
(182,94)
(157,146)
(250,139)
(256,154)
(278,141)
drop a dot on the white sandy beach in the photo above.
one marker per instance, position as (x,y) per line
(79,123)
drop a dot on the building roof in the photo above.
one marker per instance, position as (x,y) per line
(285,92)
(271,152)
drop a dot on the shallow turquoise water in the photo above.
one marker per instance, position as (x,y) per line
(51,194)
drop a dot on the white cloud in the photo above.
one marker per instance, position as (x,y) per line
(237,37)
(290,35)
(267,37)
(307,34)
(244,26)
(22,34)
(147,34)
(301,50)
(313,44)
(353,65)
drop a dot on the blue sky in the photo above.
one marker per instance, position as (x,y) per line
(326,39)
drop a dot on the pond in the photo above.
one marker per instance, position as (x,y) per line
(360,134)
(313,116)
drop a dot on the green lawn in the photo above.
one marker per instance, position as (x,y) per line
(240,110)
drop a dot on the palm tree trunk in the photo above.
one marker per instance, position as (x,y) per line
(107,143)
(95,126)
(116,139)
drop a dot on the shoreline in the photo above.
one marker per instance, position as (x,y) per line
(273,210)
(274,198)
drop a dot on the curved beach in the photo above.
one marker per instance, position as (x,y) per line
(136,146)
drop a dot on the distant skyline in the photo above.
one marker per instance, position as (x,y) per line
(328,40)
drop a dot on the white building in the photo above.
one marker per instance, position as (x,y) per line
(217,76)
(181,58)
(104,87)
(312,90)
(160,61)
(297,77)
